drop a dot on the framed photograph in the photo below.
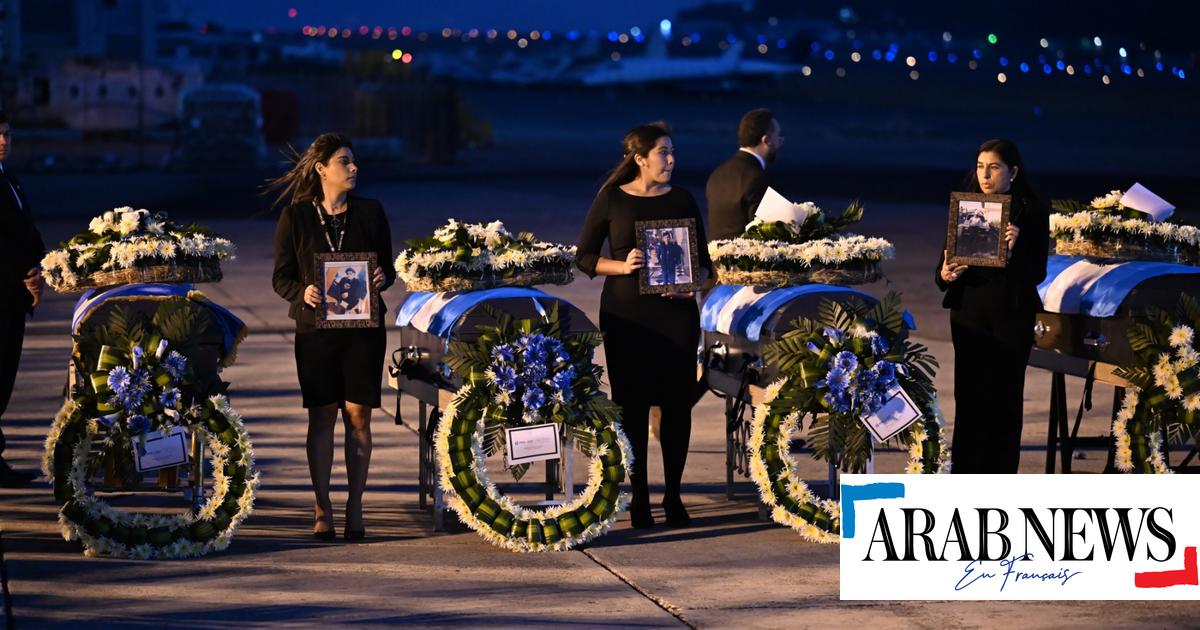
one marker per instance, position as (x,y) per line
(975,235)
(897,413)
(348,297)
(672,260)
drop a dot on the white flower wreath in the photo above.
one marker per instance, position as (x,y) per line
(105,531)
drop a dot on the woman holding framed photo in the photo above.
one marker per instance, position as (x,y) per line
(649,339)
(992,312)
(340,369)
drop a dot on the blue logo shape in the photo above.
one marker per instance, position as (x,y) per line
(851,494)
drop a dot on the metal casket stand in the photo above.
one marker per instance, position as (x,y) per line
(418,369)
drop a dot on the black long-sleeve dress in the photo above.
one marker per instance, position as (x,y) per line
(992,311)
(649,340)
(333,365)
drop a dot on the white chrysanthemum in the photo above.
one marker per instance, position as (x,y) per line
(1172,387)
(1111,200)
(1180,336)
(128,224)
(1163,370)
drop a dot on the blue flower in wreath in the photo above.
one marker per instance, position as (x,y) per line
(814,348)
(534,398)
(563,381)
(834,335)
(118,379)
(886,371)
(837,380)
(139,424)
(845,361)
(839,402)
(138,353)
(879,345)
(503,354)
(505,378)
(176,365)
(170,398)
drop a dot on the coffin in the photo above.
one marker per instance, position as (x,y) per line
(430,322)
(1088,307)
(740,322)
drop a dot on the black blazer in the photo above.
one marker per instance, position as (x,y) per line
(298,237)
(21,246)
(1025,271)
(734,191)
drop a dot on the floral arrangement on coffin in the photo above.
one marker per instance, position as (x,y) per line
(472,256)
(125,246)
(525,372)
(811,250)
(140,383)
(1166,373)
(836,370)
(1107,229)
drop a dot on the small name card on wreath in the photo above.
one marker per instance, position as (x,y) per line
(156,450)
(531,444)
(897,413)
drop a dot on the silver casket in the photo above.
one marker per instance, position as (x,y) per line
(1083,331)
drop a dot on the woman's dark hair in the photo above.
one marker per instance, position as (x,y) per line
(301,183)
(755,124)
(639,141)
(1022,185)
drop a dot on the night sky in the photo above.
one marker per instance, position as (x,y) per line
(543,14)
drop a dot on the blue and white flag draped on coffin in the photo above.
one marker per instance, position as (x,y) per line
(438,313)
(233,329)
(1074,285)
(743,311)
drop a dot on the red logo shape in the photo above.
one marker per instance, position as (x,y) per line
(1188,575)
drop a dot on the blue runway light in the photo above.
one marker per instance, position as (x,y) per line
(829,55)
(932,56)
(781,43)
(1060,65)
(1047,69)
(572,35)
(612,36)
(952,58)
(1024,67)
(876,55)
(1003,62)
(815,46)
(976,54)
(664,27)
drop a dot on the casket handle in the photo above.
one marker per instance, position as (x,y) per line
(1040,329)
(1097,341)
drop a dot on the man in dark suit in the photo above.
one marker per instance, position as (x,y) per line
(21,251)
(737,186)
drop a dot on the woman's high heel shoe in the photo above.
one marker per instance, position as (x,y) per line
(325,535)
(354,534)
(677,515)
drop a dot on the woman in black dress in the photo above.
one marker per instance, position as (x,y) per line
(339,369)
(992,312)
(649,340)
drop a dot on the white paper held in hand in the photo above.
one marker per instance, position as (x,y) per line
(1141,199)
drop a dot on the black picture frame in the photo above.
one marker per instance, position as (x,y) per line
(975,231)
(335,311)
(652,277)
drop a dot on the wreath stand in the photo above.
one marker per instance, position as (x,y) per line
(431,401)
(740,394)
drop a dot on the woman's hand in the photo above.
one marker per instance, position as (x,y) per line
(377,278)
(634,261)
(312,295)
(33,284)
(1010,236)
(951,271)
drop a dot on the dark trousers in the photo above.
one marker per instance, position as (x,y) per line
(12,336)
(675,433)
(989,392)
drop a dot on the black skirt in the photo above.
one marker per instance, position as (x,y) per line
(336,365)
